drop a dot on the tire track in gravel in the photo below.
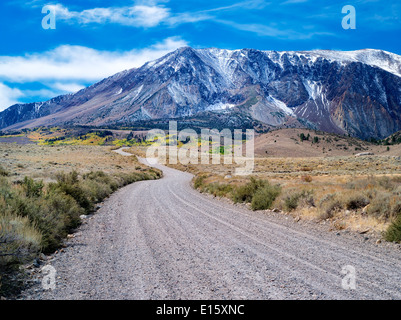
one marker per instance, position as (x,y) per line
(340,253)
(300,258)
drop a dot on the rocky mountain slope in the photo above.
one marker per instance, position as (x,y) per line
(356,92)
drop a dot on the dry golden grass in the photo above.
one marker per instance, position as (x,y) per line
(45,161)
(322,176)
(35,215)
(287,143)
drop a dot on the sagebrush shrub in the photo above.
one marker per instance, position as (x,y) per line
(218,189)
(3,172)
(393,233)
(246,192)
(32,188)
(35,216)
(356,201)
(264,197)
(198,182)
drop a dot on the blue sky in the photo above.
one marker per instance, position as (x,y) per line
(95,39)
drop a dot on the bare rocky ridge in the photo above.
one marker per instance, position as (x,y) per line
(164,240)
(356,92)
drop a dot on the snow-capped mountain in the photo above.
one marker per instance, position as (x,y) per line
(355,92)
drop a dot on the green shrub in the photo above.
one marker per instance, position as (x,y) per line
(57,214)
(19,243)
(77,193)
(291,202)
(102,178)
(19,239)
(95,191)
(246,192)
(293,198)
(69,184)
(5,188)
(264,197)
(393,232)
(380,206)
(137,176)
(198,182)
(34,216)
(3,172)
(356,201)
(329,207)
(218,189)
(53,214)
(396,209)
(67,178)
(32,188)
(154,174)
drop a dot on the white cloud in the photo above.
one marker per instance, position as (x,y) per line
(137,16)
(274,31)
(188,17)
(44,92)
(294,1)
(72,63)
(141,15)
(67,69)
(9,96)
(69,87)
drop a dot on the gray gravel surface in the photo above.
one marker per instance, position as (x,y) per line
(164,240)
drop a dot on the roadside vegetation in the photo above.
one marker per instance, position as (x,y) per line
(375,200)
(260,194)
(44,194)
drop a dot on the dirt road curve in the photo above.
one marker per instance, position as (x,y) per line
(164,240)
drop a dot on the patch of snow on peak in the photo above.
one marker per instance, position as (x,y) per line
(387,61)
(314,90)
(220,60)
(281,105)
(38,105)
(220,106)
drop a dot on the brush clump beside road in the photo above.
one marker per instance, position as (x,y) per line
(36,216)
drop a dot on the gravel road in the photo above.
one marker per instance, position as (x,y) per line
(164,240)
